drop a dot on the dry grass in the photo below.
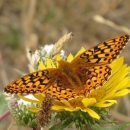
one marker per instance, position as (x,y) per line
(35,23)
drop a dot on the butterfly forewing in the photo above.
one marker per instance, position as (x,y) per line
(36,82)
(105,52)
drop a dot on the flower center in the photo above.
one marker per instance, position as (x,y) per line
(97,94)
(76,102)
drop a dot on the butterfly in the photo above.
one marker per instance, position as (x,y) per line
(85,73)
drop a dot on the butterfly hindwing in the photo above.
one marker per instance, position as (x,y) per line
(98,75)
(61,92)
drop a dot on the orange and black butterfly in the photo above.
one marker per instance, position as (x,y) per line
(84,73)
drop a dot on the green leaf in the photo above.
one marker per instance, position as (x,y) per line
(65,123)
(20,72)
(3,105)
(117,127)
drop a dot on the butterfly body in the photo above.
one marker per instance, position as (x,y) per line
(86,72)
(68,72)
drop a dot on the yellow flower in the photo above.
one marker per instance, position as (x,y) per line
(103,97)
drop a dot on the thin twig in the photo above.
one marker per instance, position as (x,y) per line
(28,11)
(4,115)
(102,20)
(3,72)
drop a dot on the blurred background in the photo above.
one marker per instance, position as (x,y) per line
(35,23)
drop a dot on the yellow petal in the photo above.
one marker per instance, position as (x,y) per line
(41,65)
(128,68)
(121,93)
(71,109)
(80,51)
(50,63)
(70,57)
(57,108)
(32,109)
(128,84)
(105,103)
(66,103)
(28,100)
(116,65)
(58,57)
(62,105)
(31,70)
(113,81)
(88,101)
(93,113)
(40,97)
(122,84)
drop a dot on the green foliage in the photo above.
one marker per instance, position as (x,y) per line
(20,72)
(65,123)
(24,117)
(79,118)
(3,105)
(83,121)
(11,38)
